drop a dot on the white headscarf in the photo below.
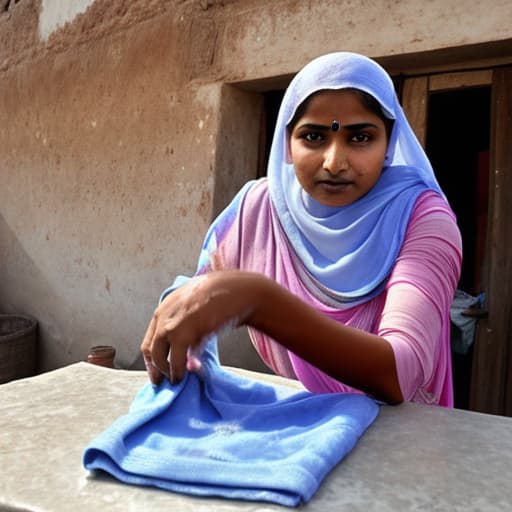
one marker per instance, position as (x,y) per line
(349,250)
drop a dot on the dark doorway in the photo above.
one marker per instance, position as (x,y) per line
(272,102)
(458,139)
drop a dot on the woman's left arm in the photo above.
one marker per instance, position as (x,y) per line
(415,318)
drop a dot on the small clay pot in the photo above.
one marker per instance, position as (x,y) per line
(102,355)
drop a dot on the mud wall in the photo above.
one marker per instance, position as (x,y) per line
(125,126)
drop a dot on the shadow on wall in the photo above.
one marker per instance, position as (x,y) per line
(25,290)
(236,349)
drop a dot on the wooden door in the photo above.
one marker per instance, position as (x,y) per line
(491,389)
(491,381)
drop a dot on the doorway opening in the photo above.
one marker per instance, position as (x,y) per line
(271,103)
(457,144)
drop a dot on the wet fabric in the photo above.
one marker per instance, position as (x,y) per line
(220,434)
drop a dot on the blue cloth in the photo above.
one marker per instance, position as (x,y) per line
(219,434)
(463,327)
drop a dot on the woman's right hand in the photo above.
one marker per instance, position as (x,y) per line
(190,314)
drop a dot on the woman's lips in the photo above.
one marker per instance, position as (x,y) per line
(334,185)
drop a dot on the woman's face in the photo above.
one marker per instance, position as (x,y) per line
(338,167)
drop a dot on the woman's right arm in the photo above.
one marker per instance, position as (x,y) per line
(209,302)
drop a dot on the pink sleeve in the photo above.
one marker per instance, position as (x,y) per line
(415,318)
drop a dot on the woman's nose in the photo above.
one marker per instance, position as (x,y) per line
(335,158)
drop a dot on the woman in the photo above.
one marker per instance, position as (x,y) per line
(343,263)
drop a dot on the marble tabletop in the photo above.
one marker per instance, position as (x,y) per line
(413,458)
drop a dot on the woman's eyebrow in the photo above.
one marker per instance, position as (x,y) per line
(358,126)
(313,126)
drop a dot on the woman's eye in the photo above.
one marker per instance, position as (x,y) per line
(312,136)
(360,138)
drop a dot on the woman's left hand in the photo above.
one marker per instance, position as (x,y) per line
(190,314)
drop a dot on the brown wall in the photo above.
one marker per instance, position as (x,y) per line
(125,130)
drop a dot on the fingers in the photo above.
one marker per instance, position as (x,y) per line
(183,319)
(177,362)
(155,375)
(164,355)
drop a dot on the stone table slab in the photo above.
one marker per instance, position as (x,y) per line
(413,458)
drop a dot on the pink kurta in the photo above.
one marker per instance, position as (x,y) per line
(411,313)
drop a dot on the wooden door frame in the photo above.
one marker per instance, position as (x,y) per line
(491,389)
(491,383)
